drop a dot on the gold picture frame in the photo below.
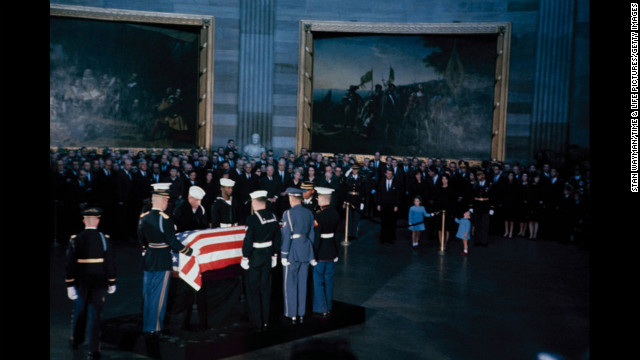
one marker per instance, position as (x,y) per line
(202,23)
(309,28)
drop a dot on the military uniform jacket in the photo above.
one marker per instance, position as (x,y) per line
(90,263)
(262,239)
(481,199)
(157,235)
(354,190)
(325,244)
(186,219)
(297,234)
(223,213)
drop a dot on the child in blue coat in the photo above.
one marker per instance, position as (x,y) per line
(417,213)
(464,230)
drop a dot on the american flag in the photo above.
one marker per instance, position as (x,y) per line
(218,248)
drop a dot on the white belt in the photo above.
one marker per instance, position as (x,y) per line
(223,225)
(158,246)
(262,245)
(295,236)
(326,236)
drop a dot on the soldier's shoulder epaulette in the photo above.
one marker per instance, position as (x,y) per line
(164,215)
(73,236)
(144,214)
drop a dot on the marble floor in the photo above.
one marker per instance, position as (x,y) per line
(514,299)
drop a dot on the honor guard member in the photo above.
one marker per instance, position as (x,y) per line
(296,255)
(326,248)
(90,272)
(189,215)
(157,235)
(309,200)
(354,199)
(481,207)
(225,211)
(259,254)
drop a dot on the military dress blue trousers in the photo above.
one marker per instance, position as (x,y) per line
(323,286)
(88,306)
(155,288)
(295,288)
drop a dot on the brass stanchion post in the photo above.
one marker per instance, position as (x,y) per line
(441,252)
(346,225)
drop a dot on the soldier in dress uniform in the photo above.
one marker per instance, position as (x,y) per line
(225,211)
(190,215)
(326,248)
(481,207)
(296,255)
(259,254)
(156,232)
(90,272)
(309,200)
(354,194)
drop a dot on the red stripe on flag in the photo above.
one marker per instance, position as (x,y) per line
(220,247)
(216,234)
(187,267)
(219,264)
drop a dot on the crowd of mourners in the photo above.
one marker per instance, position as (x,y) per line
(537,200)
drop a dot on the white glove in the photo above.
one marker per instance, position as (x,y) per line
(313,262)
(72,293)
(274,261)
(361,207)
(490,212)
(336,259)
(433,214)
(195,252)
(244,263)
(284,262)
(112,289)
(471,211)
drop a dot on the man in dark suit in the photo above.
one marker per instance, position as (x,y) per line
(105,188)
(246,184)
(270,183)
(388,203)
(142,180)
(128,217)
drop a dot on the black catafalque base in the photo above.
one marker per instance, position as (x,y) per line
(235,338)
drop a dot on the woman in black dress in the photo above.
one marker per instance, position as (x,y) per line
(511,199)
(445,203)
(535,203)
(523,206)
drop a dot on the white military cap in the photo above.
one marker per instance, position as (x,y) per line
(258,194)
(196,192)
(324,190)
(227,182)
(161,189)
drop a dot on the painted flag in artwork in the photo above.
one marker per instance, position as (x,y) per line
(218,248)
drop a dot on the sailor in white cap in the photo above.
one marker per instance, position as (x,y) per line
(260,254)
(225,210)
(326,248)
(190,214)
(296,255)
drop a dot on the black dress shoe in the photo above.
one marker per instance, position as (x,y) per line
(301,320)
(94,355)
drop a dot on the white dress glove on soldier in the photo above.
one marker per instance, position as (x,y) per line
(72,293)
(284,262)
(361,207)
(244,263)
(112,289)
(471,211)
(490,212)
(274,261)
(336,259)
(313,262)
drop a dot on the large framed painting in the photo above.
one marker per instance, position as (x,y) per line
(135,79)
(425,90)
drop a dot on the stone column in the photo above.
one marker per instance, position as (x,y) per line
(255,72)
(551,98)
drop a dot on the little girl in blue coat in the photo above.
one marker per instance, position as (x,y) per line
(417,213)
(464,230)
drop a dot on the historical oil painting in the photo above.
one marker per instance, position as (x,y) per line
(122,84)
(424,95)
